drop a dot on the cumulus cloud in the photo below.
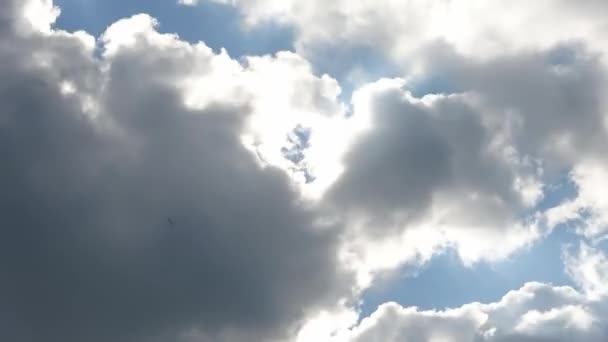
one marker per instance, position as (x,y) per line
(157,190)
(130,214)
(589,269)
(465,167)
(536,312)
(478,29)
(520,103)
(588,211)
(523,102)
(430,173)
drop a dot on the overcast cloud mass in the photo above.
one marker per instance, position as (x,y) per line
(159,190)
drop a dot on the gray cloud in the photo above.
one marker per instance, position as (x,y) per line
(130,216)
(423,154)
(543,95)
(479,154)
(87,250)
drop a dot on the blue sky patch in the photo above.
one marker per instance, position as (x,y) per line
(217,25)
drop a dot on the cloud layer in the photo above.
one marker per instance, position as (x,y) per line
(157,190)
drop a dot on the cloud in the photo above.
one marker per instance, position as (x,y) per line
(477,29)
(517,101)
(588,211)
(158,190)
(549,105)
(536,312)
(468,166)
(188,2)
(549,100)
(129,214)
(424,174)
(589,269)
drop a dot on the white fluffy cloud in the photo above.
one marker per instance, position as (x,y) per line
(588,211)
(478,28)
(522,102)
(589,269)
(536,312)
(534,93)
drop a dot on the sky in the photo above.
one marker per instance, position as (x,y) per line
(288,171)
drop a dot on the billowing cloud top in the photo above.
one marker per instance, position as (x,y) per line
(154,189)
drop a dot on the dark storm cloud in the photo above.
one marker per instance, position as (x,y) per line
(87,253)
